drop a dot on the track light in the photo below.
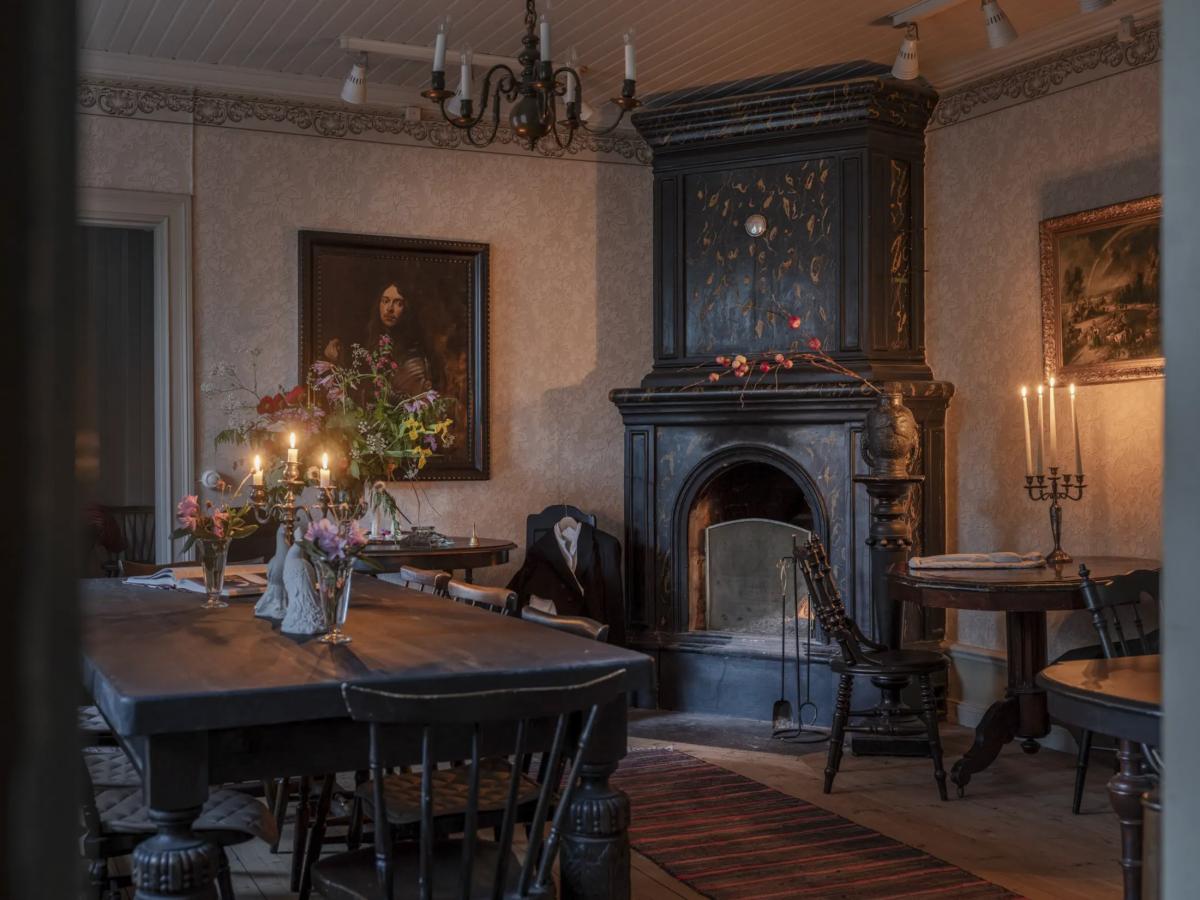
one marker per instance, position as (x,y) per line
(1000,31)
(354,89)
(905,67)
(1087,6)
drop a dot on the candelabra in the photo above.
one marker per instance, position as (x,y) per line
(285,510)
(1055,487)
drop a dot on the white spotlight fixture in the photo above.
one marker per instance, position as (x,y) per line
(354,89)
(1000,31)
(1087,6)
(905,67)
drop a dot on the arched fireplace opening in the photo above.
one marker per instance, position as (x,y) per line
(740,523)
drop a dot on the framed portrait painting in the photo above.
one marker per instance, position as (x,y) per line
(428,296)
(1101,299)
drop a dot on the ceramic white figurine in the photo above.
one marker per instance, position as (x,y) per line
(273,603)
(304,613)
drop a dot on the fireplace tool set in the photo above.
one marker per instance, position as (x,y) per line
(785,726)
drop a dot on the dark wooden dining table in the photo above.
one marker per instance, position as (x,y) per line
(1123,699)
(1024,596)
(201,697)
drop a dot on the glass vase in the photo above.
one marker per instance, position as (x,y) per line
(213,554)
(333,587)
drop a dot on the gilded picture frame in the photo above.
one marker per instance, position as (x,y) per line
(1101,298)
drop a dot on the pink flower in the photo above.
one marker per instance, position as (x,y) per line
(793,322)
(787,363)
(779,358)
(722,360)
(814,343)
(713,376)
(220,520)
(355,537)
(764,367)
(325,534)
(188,511)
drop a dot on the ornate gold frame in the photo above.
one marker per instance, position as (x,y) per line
(1049,232)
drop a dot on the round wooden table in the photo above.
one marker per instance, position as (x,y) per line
(459,555)
(1122,698)
(1024,596)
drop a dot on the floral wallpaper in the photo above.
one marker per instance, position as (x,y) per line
(990,180)
(570,287)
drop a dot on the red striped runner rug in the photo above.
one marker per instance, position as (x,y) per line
(731,838)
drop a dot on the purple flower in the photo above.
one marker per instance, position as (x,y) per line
(327,537)
(321,366)
(431,442)
(355,537)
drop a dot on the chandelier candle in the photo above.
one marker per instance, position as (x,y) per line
(1055,486)
(439,48)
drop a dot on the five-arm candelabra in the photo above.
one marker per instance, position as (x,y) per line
(1055,487)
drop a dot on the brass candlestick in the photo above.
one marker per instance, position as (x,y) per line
(286,509)
(1055,487)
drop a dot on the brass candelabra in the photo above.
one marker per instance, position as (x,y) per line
(1055,487)
(286,509)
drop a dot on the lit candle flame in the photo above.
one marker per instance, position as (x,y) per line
(257,463)
(1052,381)
(1024,391)
(292,440)
(1071,388)
(1039,390)
(324,460)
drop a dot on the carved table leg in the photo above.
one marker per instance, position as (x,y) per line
(594,864)
(997,727)
(1022,712)
(175,862)
(1125,791)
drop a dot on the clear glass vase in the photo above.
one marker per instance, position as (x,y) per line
(333,587)
(213,554)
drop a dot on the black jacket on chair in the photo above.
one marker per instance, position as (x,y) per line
(595,590)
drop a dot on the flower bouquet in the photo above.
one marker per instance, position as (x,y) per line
(333,546)
(210,529)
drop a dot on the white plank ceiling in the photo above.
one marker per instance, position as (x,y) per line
(681,43)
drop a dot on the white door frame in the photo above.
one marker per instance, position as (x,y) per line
(169,217)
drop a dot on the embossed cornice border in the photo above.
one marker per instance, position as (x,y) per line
(200,107)
(1086,62)
(903,105)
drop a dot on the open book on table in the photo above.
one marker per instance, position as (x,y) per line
(243,580)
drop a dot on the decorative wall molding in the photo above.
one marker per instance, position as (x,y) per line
(202,107)
(1050,74)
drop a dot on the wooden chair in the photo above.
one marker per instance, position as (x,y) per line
(580,626)
(475,867)
(136,524)
(494,599)
(863,657)
(1116,609)
(116,820)
(538,524)
(428,581)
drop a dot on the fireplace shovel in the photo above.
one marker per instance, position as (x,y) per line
(782,723)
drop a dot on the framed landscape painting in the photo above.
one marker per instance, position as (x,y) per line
(1101,300)
(430,298)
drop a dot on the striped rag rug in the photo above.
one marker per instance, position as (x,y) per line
(731,838)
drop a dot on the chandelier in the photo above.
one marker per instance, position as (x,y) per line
(533,96)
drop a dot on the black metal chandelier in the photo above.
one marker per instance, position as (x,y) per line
(533,95)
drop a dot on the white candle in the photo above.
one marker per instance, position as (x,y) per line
(1028,442)
(439,49)
(572,63)
(544,38)
(293,453)
(630,61)
(464,76)
(1075,432)
(1041,445)
(1053,429)
(324,473)
(257,476)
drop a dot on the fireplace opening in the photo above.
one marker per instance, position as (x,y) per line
(740,525)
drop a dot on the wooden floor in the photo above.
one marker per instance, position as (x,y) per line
(1014,826)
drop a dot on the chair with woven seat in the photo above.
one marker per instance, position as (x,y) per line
(436,865)
(1116,606)
(116,820)
(863,657)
